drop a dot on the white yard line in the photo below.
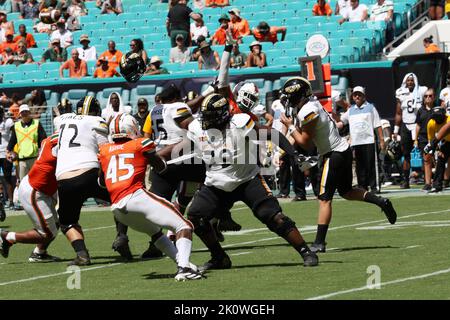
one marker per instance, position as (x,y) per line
(240,253)
(422,276)
(57,274)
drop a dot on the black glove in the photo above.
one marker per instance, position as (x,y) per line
(431,147)
(305,162)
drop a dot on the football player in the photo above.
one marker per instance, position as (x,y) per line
(230,181)
(310,125)
(77,170)
(37,194)
(124,163)
(409,100)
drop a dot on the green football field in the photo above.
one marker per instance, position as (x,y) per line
(411,259)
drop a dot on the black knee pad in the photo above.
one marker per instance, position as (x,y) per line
(281,225)
(65,228)
(201,225)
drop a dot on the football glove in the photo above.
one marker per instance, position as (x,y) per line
(431,147)
(304,162)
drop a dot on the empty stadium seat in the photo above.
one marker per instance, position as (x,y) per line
(74,95)
(143,91)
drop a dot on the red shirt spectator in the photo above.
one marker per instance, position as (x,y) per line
(77,67)
(112,55)
(264,33)
(321,8)
(239,23)
(217,3)
(27,37)
(9,43)
(105,70)
(220,37)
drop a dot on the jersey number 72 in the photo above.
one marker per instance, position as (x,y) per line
(118,163)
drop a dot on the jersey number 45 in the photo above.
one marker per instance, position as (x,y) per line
(118,169)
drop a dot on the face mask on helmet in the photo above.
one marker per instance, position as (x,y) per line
(132,67)
(124,126)
(295,92)
(214,112)
(248,98)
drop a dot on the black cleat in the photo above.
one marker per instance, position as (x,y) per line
(435,190)
(310,259)
(389,211)
(80,261)
(216,264)
(404,185)
(299,198)
(121,246)
(318,247)
(426,187)
(42,257)
(152,252)
(228,224)
(2,212)
(4,245)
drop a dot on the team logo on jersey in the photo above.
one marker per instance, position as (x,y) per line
(220,103)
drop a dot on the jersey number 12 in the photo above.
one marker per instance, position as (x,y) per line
(118,162)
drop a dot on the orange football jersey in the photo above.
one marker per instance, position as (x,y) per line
(124,166)
(42,175)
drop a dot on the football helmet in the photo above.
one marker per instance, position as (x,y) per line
(295,92)
(247,96)
(438,114)
(394,150)
(89,106)
(132,67)
(124,126)
(214,112)
(64,106)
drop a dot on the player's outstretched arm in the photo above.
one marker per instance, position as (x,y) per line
(445,130)
(156,162)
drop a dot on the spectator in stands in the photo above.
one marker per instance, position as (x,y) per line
(198,29)
(7,56)
(46,4)
(436,9)
(179,54)
(137,46)
(209,59)
(220,37)
(256,58)
(77,67)
(9,43)
(357,12)
(30,10)
(17,5)
(5,26)
(155,67)
(430,47)
(199,4)
(105,70)
(37,103)
(114,106)
(238,23)
(28,134)
(77,8)
(383,10)
(178,21)
(217,3)
(342,6)
(56,53)
(142,113)
(86,53)
(112,55)
(22,55)
(265,33)
(61,33)
(422,118)
(5,5)
(25,36)
(46,21)
(321,8)
(14,106)
(195,54)
(238,59)
(110,6)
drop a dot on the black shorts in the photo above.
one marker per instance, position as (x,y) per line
(336,173)
(406,141)
(422,143)
(165,185)
(437,3)
(74,192)
(213,202)
(7,169)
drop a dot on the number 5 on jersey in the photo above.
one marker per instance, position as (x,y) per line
(119,169)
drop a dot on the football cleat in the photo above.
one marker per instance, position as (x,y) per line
(228,224)
(426,187)
(310,259)
(216,264)
(404,185)
(152,252)
(121,246)
(318,247)
(389,211)
(4,245)
(42,257)
(435,190)
(80,261)
(187,273)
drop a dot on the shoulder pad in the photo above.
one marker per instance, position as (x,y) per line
(242,120)
(194,129)
(308,112)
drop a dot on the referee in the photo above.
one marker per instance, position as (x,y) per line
(363,119)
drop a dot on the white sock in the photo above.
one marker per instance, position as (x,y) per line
(165,245)
(184,246)
(39,251)
(11,237)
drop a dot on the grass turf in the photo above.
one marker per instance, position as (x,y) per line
(264,266)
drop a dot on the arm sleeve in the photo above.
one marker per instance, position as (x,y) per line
(41,134)
(223,77)
(12,140)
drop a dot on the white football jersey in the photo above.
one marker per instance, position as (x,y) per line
(170,113)
(230,160)
(410,103)
(5,135)
(327,136)
(277,109)
(444,95)
(78,141)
